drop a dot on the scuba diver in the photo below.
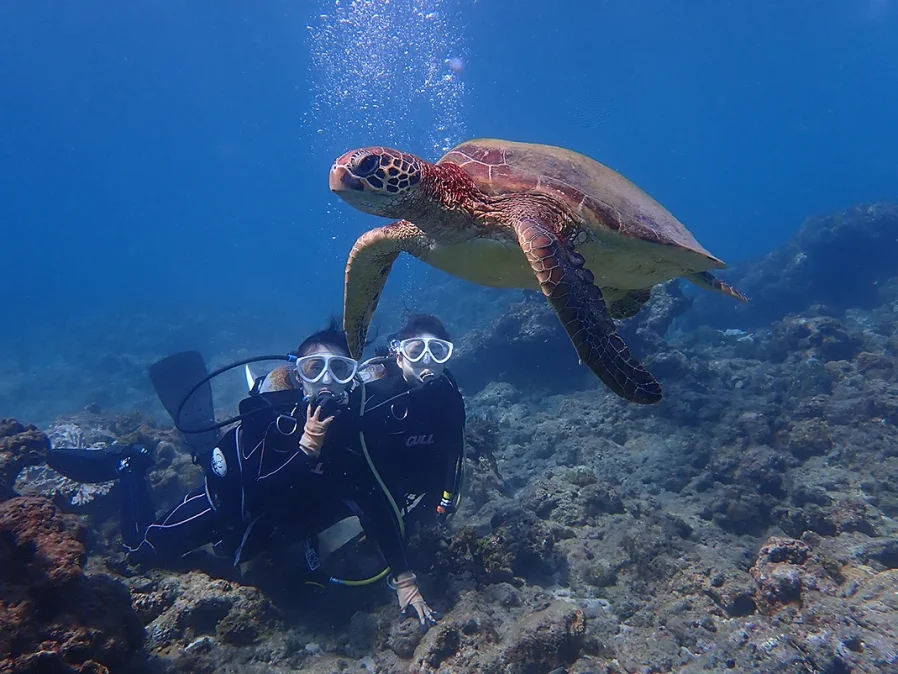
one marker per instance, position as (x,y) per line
(298,461)
(412,425)
(237,468)
(402,449)
(418,418)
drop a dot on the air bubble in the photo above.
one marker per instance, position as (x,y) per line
(382,66)
(456,64)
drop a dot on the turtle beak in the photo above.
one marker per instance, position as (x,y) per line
(341,180)
(357,193)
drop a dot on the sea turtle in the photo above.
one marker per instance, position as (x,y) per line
(517,215)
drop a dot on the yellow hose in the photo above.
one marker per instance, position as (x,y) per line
(366,581)
(386,491)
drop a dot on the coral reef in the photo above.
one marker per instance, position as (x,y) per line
(838,260)
(20,446)
(172,474)
(526,345)
(746,523)
(655,523)
(54,617)
(189,616)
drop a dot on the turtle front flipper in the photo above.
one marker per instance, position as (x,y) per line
(578,302)
(367,268)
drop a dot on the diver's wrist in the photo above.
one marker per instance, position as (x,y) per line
(310,452)
(311,449)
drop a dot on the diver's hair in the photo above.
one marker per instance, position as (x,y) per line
(418,324)
(332,337)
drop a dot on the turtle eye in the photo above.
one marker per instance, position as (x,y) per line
(367,165)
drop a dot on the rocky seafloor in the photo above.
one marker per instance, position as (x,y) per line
(743,524)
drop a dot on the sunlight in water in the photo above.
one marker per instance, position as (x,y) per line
(388,72)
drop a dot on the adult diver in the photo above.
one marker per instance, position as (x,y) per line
(309,450)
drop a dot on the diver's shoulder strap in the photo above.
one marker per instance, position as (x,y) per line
(378,389)
(255,389)
(451,378)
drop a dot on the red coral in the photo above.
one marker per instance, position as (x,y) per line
(53,616)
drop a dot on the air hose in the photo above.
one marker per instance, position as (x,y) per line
(396,511)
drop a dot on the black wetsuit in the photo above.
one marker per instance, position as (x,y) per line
(414,438)
(261,490)
(250,476)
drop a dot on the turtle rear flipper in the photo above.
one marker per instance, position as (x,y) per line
(708,281)
(628,304)
(367,268)
(578,302)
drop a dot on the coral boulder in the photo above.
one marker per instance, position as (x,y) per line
(53,616)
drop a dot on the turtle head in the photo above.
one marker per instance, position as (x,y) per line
(379,181)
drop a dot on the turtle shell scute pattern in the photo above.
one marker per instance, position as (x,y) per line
(594,193)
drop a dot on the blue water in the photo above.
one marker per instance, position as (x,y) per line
(164,165)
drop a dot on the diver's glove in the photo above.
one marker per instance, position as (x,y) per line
(314,431)
(406,586)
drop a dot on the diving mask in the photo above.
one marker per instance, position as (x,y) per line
(312,369)
(415,348)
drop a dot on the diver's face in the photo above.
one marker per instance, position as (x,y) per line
(420,371)
(325,370)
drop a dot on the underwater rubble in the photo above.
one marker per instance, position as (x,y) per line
(745,523)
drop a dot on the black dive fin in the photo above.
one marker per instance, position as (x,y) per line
(87,465)
(173,377)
